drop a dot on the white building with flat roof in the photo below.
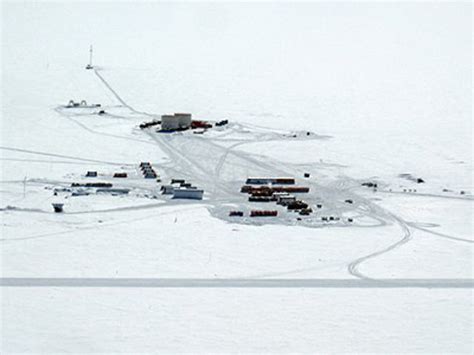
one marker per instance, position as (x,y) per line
(188,193)
(169,122)
(176,121)
(184,119)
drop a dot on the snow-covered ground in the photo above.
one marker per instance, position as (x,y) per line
(385,90)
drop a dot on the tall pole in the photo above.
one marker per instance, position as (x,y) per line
(90,56)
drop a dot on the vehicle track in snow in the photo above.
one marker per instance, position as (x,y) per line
(43,161)
(26,151)
(96,225)
(422,194)
(353,267)
(118,97)
(442,235)
(100,133)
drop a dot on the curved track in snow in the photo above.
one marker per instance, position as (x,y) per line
(353,267)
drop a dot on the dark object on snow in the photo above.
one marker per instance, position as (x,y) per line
(58,207)
(150,175)
(200,124)
(236,214)
(92,184)
(297,205)
(91,174)
(120,175)
(290,189)
(255,213)
(259,199)
(149,124)
(370,184)
(349,220)
(420,181)
(178,181)
(307,175)
(319,206)
(262,193)
(147,170)
(306,211)
(462,192)
(222,123)
(348,201)
(102,112)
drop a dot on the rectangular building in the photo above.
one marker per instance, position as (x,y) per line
(193,194)
(176,121)
(270,180)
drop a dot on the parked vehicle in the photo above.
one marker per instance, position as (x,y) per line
(92,184)
(149,124)
(297,205)
(200,124)
(178,181)
(120,175)
(222,123)
(255,213)
(306,211)
(259,199)
(273,189)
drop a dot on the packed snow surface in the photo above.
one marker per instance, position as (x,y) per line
(348,93)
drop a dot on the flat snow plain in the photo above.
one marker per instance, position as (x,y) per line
(380,104)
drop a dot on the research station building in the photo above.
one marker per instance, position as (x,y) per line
(176,121)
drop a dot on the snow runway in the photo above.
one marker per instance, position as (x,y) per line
(236,283)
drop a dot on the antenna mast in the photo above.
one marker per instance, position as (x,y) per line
(90,55)
(89,66)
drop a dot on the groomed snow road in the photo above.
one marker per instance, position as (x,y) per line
(236,283)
